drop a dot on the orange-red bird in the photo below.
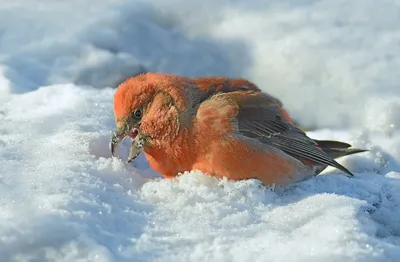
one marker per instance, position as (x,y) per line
(221,126)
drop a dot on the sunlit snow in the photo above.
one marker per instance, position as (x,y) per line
(63,198)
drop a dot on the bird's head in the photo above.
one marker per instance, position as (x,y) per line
(146,109)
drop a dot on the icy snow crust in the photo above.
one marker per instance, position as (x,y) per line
(63,198)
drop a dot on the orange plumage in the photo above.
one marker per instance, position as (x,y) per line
(223,127)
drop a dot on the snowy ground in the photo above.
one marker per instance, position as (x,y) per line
(63,198)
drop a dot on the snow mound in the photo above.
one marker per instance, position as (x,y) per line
(63,198)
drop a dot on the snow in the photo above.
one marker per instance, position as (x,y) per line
(63,198)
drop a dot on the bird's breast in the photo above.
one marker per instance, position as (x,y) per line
(174,157)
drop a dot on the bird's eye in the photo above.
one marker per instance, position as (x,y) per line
(138,113)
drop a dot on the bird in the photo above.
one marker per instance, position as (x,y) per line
(221,126)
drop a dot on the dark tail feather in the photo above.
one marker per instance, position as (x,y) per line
(331,144)
(339,152)
(336,149)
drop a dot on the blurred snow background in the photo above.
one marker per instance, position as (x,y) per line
(62,198)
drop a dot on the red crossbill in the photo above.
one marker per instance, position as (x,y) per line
(221,126)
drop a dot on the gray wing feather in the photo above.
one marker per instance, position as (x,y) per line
(268,126)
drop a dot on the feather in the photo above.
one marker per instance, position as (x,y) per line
(260,118)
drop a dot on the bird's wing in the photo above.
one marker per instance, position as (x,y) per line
(259,116)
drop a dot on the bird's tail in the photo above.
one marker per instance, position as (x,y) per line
(336,149)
